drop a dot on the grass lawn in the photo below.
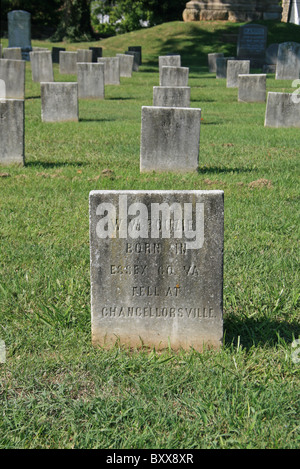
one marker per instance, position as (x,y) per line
(56,389)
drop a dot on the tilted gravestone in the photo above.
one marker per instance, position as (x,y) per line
(157,268)
(67,63)
(126,65)
(41,66)
(174,76)
(288,61)
(136,60)
(282,110)
(170,139)
(59,101)
(13,74)
(111,69)
(212,61)
(252,88)
(252,43)
(234,69)
(171,96)
(12,132)
(90,78)
(19,31)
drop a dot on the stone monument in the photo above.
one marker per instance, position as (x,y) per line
(230,10)
(157,268)
(19,31)
(252,43)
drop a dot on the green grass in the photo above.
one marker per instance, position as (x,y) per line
(56,390)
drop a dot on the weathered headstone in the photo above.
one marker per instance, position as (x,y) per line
(84,55)
(126,65)
(282,110)
(157,268)
(19,31)
(271,59)
(55,54)
(252,43)
(136,60)
(12,53)
(137,49)
(171,96)
(170,139)
(169,61)
(212,61)
(67,63)
(12,132)
(13,73)
(234,69)
(174,76)
(59,101)
(41,66)
(221,66)
(288,61)
(111,69)
(90,78)
(2,89)
(96,52)
(252,88)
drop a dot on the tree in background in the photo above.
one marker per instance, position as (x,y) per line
(75,21)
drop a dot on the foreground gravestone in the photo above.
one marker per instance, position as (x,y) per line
(171,96)
(55,54)
(137,49)
(212,61)
(136,60)
(170,139)
(96,52)
(84,55)
(126,65)
(157,268)
(234,69)
(41,66)
(2,89)
(111,69)
(174,76)
(288,61)
(252,43)
(59,102)
(19,31)
(67,63)
(90,78)
(12,53)
(221,66)
(252,88)
(12,132)
(13,74)
(282,110)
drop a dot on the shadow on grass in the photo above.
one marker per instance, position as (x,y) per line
(121,98)
(58,164)
(251,332)
(94,119)
(33,97)
(216,169)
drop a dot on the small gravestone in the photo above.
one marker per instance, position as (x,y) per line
(96,52)
(169,61)
(90,78)
(136,60)
(252,88)
(170,139)
(59,102)
(156,260)
(111,69)
(12,132)
(234,69)
(55,54)
(221,66)
(282,110)
(84,55)
(174,76)
(212,61)
(19,31)
(171,96)
(126,65)
(288,61)
(252,43)
(12,53)
(67,63)
(41,66)
(13,74)
(137,49)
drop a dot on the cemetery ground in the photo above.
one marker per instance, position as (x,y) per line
(56,389)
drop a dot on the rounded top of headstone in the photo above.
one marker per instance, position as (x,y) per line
(18,13)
